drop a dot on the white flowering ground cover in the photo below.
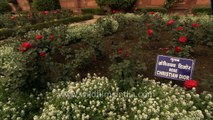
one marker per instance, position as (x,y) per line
(98,98)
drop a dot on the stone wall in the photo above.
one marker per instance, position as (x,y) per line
(76,5)
(24,4)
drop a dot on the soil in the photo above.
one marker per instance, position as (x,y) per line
(202,55)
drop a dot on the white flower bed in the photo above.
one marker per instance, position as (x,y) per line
(99,98)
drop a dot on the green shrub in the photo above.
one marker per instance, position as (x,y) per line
(107,25)
(46,5)
(96,11)
(169,3)
(13,1)
(4,7)
(202,10)
(124,5)
(5,33)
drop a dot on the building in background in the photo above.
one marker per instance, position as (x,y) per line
(77,5)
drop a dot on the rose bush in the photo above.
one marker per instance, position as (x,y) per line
(10,20)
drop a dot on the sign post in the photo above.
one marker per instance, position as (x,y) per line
(174,68)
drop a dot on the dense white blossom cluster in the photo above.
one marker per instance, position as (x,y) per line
(98,98)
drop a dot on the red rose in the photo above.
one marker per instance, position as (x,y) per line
(150,32)
(195,25)
(120,51)
(114,11)
(51,37)
(26,45)
(46,12)
(126,54)
(188,84)
(12,17)
(183,39)
(152,12)
(170,22)
(178,49)
(136,9)
(42,54)
(39,37)
(180,28)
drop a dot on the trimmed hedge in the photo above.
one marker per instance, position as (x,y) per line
(122,5)
(95,11)
(13,1)
(152,9)
(4,7)
(5,33)
(202,10)
(46,5)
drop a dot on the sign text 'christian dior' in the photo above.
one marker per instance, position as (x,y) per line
(174,68)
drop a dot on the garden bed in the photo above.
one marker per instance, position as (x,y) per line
(49,66)
(21,30)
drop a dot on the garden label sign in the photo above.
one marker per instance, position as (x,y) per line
(174,68)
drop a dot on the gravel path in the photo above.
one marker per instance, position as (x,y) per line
(87,21)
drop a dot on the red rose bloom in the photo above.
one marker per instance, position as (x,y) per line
(25,46)
(170,22)
(150,32)
(183,39)
(126,54)
(114,11)
(178,49)
(180,28)
(12,17)
(39,37)
(188,84)
(42,54)
(195,25)
(120,51)
(152,13)
(46,12)
(51,37)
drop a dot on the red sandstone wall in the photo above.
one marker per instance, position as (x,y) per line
(203,2)
(76,5)
(24,4)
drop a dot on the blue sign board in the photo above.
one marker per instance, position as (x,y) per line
(174,68)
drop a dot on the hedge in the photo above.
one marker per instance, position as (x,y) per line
(95,11)
(5,33)
(152,9)
(202,10)
(4,7)
(43,5)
